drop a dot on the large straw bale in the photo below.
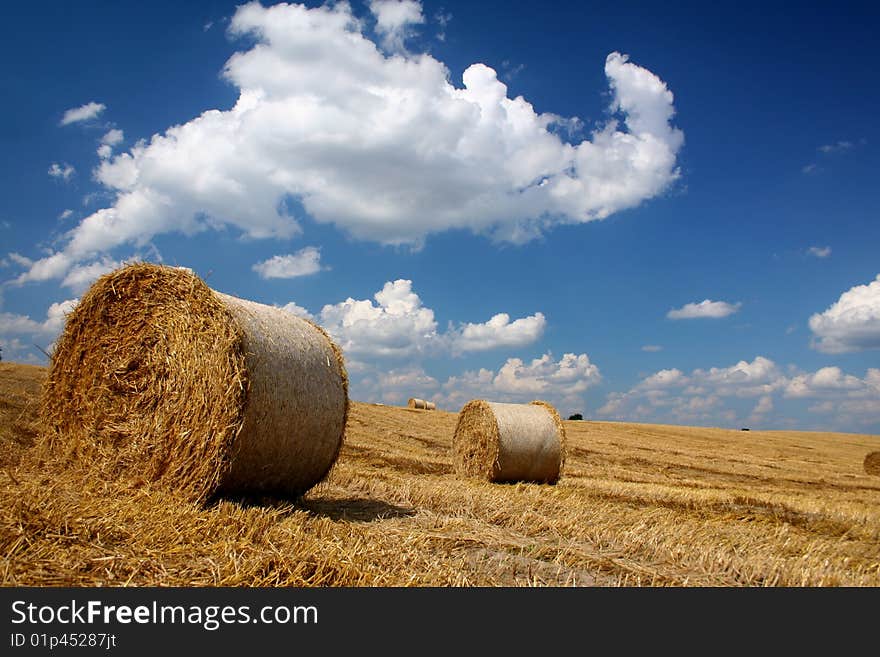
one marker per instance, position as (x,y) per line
(509,442)
(430,406)
(414,402)
(872,463)
(159,378)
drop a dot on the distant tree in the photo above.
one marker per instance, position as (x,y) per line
(576,416)
(1,354)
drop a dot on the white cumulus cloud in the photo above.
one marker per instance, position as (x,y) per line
(710,396)
(62,171)
(20,260)
(394,21)
(80,277)
(110,139)
(852,323)
(824,380)
(663,379)
(82,113)
(113,137)
(386,147)
(396,324)
(499,331)
(304,262)
(561,382)
(47,329)
(744,379)
(704,309)
(295,309)
(55,266)
(764,406)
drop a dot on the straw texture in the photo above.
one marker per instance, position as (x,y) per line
(158,378)
(509,442)
(872,463)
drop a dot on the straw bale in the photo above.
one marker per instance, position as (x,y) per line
(158,378)
(509,442)
(872,463)
(430,406)
(414,402)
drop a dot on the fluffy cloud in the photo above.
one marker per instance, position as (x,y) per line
(394,19)
(384,146)
(499,331)
(108,141)
(852,323)
(48,329)
(711,396)
(397,385)
(302,263)
(561,382)
(825,380)
(395,328)
(113,137)
(82,113)
(299,311)
(764,406)
(744,379)
(54,266)
(672,395)
(20,260)
(704,309)
(18,351)
(63,172)
(399,326)
(80,277)
(663,379)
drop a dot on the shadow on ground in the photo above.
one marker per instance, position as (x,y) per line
(354,509)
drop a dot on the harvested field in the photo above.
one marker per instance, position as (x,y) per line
(636,505)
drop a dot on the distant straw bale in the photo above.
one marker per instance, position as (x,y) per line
(414,402)
(509,442)
(430,406)
(872,463)
(159,378)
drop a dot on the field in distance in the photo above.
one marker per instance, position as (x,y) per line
(637,505)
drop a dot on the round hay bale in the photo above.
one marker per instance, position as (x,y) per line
(872,463)
(413,402)
(159,378)
(509,442)
(430,406)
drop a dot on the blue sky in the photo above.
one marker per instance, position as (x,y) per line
(649,212)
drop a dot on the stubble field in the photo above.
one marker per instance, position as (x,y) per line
(637,505)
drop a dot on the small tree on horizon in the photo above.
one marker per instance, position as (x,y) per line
(576,416)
